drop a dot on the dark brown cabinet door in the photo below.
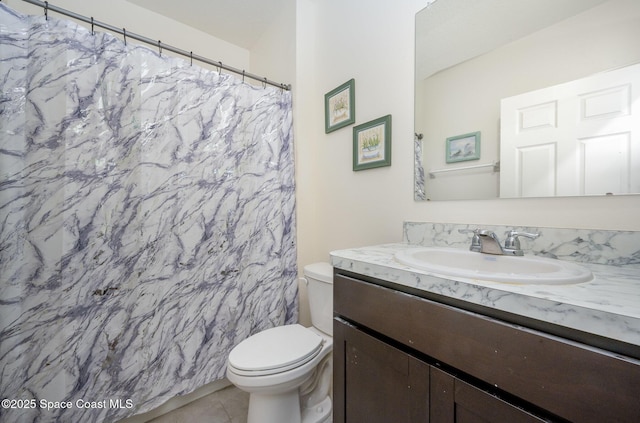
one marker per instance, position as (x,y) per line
(453,400)
(380,384)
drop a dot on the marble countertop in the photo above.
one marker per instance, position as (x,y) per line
(608,306)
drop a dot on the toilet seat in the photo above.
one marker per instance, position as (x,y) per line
(275,350)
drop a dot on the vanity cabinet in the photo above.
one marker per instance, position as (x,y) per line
(383,384)
(400,357)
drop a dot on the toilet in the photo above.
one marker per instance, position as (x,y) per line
(287,370)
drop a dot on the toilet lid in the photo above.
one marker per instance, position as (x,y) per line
(276,349)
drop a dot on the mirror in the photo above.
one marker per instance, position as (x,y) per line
(473,54)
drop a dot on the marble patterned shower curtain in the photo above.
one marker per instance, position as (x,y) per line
(147,218)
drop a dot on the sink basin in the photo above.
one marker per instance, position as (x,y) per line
(451,262)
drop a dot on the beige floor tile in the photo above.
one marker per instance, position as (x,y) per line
(229,405)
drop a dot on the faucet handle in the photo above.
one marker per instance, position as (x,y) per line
(475,240)
(513,243)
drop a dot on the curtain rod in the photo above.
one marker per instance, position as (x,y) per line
(126,34)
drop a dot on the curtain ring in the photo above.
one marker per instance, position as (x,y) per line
(46,10)
(220,68)
(243,76)
(92,31)
(124,33)
(160,47)
(264,83)
(191,58)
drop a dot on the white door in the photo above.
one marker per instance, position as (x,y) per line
(577,138)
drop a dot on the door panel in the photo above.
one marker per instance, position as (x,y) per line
(381,383)
(583,136)
(473,405)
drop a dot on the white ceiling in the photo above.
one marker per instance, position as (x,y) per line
(240,22)
(449,32)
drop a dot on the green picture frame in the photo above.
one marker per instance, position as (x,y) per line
(340,106)
(372,144)
(463,147)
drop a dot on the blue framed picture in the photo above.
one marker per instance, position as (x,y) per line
(463,147)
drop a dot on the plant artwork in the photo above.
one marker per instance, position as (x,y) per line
(369,143)
(340,106)
(372,144)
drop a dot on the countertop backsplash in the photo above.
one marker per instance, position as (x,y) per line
(579,245)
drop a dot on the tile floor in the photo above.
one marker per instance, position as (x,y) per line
(228,405)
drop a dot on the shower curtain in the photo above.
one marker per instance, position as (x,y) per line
(147,218)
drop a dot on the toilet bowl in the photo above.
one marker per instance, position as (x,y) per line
(287,370)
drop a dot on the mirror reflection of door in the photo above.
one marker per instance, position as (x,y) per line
(495,50)
(583,135)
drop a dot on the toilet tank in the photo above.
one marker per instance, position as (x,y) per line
(319,280)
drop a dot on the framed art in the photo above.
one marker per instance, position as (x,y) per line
(372,144)
(340,106)
(463,147)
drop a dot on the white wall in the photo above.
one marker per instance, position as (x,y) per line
(371,42)
(273,56)
(122,14)
(338,208)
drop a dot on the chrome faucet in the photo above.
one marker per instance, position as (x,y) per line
(483,241)
(475,240)
(512,243)
(487,242)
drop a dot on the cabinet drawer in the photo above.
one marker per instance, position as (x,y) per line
(568,379)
